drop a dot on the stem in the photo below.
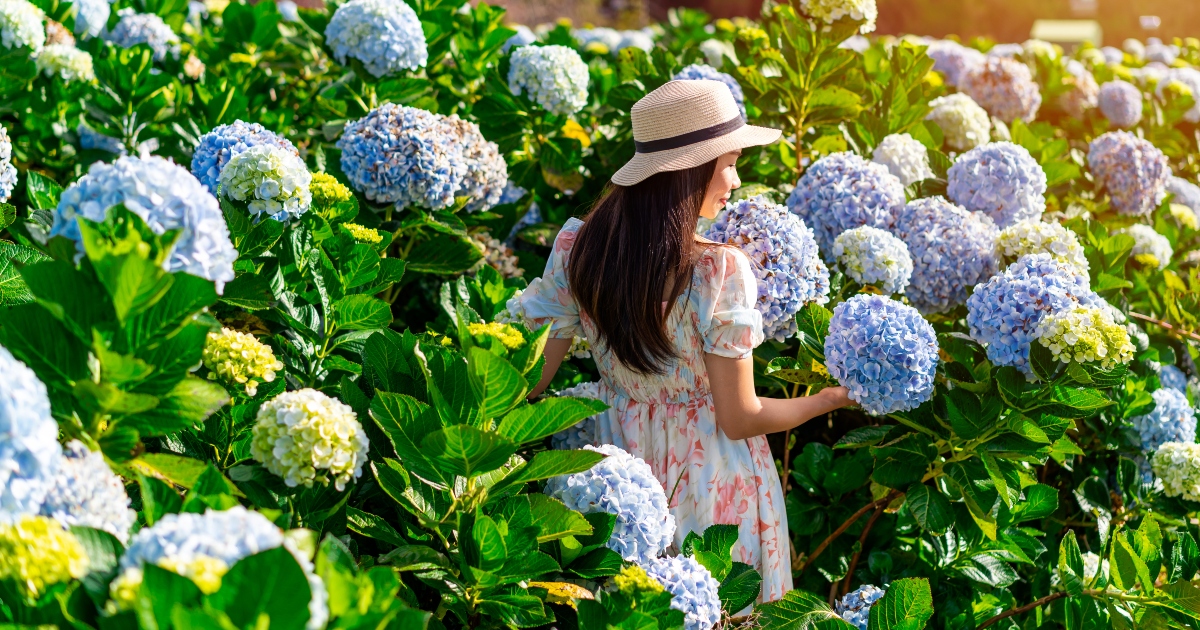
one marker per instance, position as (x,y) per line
(843,527)
(1170,328)
(787,461)
(862,541)
(1026,608)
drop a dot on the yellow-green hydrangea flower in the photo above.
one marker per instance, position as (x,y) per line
(327,190)
(204,571)
(306,436)
(1185,216)
(122,591)
(363,234)
(1032,236)
(37,552)
(633,580)
(1085,334)
(509,336)
(237,358)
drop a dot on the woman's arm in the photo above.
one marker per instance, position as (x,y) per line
(555,351)
(741,414)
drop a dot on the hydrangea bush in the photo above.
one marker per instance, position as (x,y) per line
(29,453)
(272,181)
(1121,103)
(1038,237)
(86,492)
(37,552)
(1177,465)
(1003,87)
(8,172)
(144,28)
(855,607)
(1149,247)
(784,257)
(21,25)
(240,360)
(1172,420)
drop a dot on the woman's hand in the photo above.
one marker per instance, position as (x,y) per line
(839,396)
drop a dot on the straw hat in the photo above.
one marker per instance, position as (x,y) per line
(684,124)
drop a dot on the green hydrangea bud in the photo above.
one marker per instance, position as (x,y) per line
(306,436)
(1085,334)
(37,552)
(237,358)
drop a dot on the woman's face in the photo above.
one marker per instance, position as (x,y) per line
(724,180)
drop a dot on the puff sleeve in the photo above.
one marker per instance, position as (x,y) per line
(548,299)
(727,291)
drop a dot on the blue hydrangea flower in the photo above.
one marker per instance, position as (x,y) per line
(1005,88)
(228,536)
(408,156)
(384,35)
(166,197)
(953,59)
(873,256)
(8,172)
(692,587)
(29,451)
(144,28)
(21,25)
(784,256)
(523,37)
(951,250)
(1133,171)
(1171,420)
(905,157)
(855,607)
(584,433)
(883,351)
(705,71)
(87,493)
(1121,103)
(623,485)
(91,16)
(554,77)
(1149,247)
(225,141)
(1000,179)
(1172,377)
(842,191)
(1004,312)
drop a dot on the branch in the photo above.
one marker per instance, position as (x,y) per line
(1026,608)
(862,541)
(1169,327)
(843,527)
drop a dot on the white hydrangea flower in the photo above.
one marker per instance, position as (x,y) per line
(166,196)
(904,157)
(8,172)
(871,256)
(1037,237)
(1085,334)
(1177,465)
(1149,247)
(21,25)
(964,123)
(273,182)
(180,540)
(830,11)
(91,16)
(29,451)
(554,77)
(715,51)
(86,492)
(68,62)
(384,35)
(306,436)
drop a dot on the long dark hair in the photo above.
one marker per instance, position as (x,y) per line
(634,241)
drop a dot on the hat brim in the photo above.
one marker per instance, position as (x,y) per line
(644,165)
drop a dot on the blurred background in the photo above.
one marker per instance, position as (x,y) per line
(1002,20)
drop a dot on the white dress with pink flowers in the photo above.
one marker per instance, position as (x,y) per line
(668,420)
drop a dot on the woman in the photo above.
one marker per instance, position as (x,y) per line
(672,323)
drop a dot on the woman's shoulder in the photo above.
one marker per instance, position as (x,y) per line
(722,260)
(566,236)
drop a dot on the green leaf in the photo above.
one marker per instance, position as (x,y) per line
(496,383)
(1042,362)
(902,462)
(547,464)
(863,436)
(1070,565)
(467,451)
(443,254)
(812,324)
(268,585)
(793,371)
(161,592)
(553,519)
(799,610)
(13,289)
(600,562)
(42,191)
(371,526)
(907,605)
(1041,501)
(1184,559)
(531,423)
(362,312)
(930,508)
(102,548)
(714,549)
(740,588)
(1126,567)
(1072,402)
(188,404)
(8,215)
(407,421)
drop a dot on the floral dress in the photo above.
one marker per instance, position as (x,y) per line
(668,420)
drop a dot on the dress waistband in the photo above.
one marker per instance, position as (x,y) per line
(680,398)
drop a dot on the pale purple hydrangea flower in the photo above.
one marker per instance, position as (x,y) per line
(855,607)
(883,351)
(384,35)
(1004,312)
(622,485)
(954,60)
(1001,180)
(951,248)
(1005,88)
(692,587)
(784,257)
(1083,93)
(144,28)
(1133,171)
(842,191)
(1121,103)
